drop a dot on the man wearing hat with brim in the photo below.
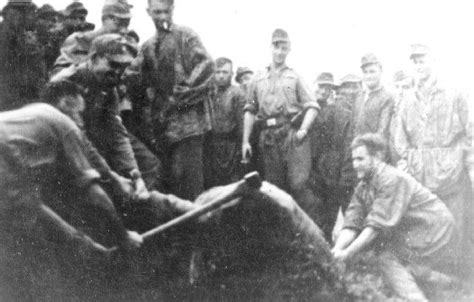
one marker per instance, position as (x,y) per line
(332,175)
(47,29)
(76,49)
(433,137)
(349,90)
(244,76)
(74,19)
(324,95)
(286,110)
(373,113)
(115,19)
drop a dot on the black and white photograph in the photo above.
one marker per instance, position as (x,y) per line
(236,150)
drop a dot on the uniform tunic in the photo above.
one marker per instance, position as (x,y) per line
(287,164)
(173,71)
(433,138)
(417,231)
(224,141)
(373,113)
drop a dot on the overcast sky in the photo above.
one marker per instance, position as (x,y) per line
(326,35)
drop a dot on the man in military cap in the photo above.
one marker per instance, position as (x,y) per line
(223,143)
(332,174)
(115,19)
(75,15)
(404,85)
(244,76)
(22,66)
(433,137)
(373,112)
(108,57)
(285,108)
(47,27)
(324,93)
(171,75)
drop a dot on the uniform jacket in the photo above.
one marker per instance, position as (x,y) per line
(175,69)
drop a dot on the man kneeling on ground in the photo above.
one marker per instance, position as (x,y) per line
(411,230)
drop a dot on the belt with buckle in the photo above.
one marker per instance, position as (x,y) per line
(275,122)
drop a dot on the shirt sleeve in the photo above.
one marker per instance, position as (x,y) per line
(73,147)
(239,104)
(386,117)
(120,153)
(391,199)
(96,160)
(304,95)
(203,65)
(251,103)
(355,212)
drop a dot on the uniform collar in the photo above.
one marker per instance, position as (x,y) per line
(370,92)
(280,71)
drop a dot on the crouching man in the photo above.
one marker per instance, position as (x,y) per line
(411,230)
(42,149)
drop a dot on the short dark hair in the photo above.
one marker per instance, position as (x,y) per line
(222,61)
(54,91)
(373,142)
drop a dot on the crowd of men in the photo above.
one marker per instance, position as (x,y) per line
(158,124)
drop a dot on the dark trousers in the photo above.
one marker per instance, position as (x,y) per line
(287,164)
(331,198)
(149,164)
(222,156)
(185,167)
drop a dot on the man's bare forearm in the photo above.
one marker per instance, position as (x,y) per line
(365,238)
(309,119)
(249,121)
(345,238)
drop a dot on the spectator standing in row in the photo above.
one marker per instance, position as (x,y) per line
(286,110)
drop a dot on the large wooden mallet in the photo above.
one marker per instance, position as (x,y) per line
(250,181)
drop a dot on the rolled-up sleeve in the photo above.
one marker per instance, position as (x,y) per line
(304,95)
(76,161)
(390,204)
(251,104)
(355,213)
